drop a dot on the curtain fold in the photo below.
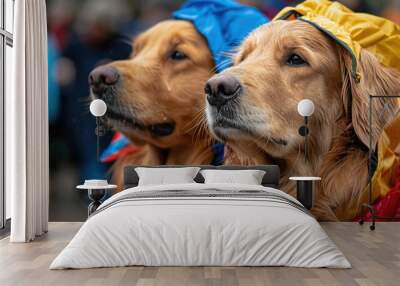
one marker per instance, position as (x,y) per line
(27,156)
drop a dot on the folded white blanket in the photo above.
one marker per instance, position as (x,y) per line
(201,224)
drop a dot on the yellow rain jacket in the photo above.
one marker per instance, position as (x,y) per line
(356,31)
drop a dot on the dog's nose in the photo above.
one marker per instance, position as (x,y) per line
(102,77)
(222,88)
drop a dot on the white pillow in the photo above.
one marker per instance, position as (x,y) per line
(248,177)
(163,176)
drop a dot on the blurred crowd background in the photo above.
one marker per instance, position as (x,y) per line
(85,34)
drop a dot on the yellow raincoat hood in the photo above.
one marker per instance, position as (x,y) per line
(351,30)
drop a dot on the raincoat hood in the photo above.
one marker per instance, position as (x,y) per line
(223,23)
(351,30)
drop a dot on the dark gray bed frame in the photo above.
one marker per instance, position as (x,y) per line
(270,179)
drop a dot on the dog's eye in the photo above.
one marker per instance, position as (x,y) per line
(295,60)
(177,56)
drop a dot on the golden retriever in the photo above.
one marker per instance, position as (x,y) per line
(156,97)
(252,107)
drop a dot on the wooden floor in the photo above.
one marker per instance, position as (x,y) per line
(375,257)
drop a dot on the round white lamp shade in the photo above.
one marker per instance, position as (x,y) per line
(305,107)
(98,107)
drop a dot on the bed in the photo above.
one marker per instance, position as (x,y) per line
(201,224)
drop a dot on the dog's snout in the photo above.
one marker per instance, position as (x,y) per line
(222,88)
(102,77)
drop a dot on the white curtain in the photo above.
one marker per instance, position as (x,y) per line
(27,170)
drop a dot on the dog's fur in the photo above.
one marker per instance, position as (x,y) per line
(262,123)
(154,89)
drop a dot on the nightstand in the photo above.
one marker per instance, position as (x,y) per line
(305,190)
(97,191)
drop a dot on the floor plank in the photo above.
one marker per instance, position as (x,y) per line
(375,257)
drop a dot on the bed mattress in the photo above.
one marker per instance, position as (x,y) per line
(201,225)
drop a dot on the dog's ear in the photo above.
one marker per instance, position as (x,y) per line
(375,80)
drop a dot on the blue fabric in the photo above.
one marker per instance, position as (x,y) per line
(117,145)
(218,154)
(224,24)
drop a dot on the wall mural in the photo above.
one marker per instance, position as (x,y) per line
(219,83)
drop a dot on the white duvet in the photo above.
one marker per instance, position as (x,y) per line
(204,231)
